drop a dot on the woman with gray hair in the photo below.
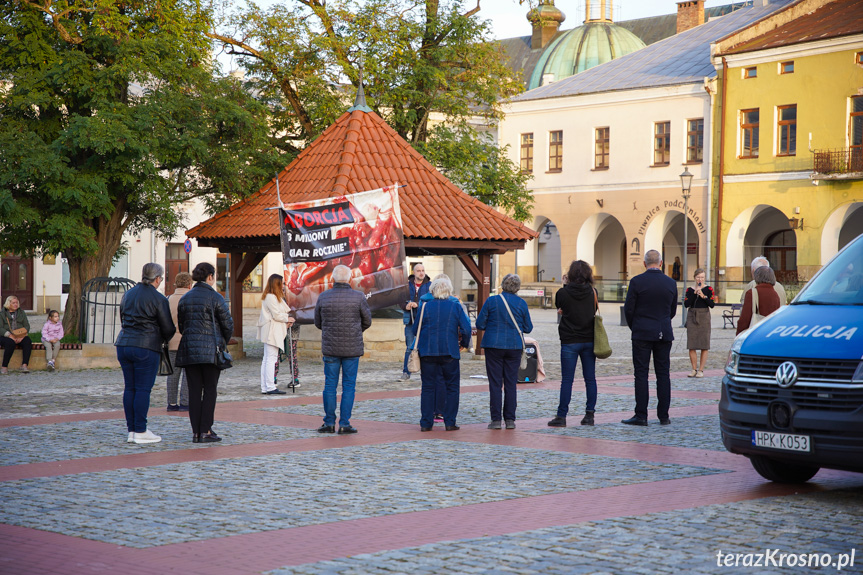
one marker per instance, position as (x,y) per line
(764,302)
(505,319)
(442,329)
(145,316)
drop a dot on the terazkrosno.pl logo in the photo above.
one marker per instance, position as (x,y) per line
(786,374)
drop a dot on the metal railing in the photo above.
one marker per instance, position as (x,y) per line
(843,161)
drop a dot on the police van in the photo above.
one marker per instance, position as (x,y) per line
(792,395)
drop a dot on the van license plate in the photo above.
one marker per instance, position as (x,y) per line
(784,441)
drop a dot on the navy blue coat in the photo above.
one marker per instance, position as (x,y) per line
(650,304)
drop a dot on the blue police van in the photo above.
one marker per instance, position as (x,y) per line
(792,395)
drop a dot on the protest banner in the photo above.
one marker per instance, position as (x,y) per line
(362,231)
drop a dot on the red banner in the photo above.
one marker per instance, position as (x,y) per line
(362,231)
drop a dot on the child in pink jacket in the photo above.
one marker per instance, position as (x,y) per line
(52,333)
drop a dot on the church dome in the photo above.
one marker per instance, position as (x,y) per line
(591,44)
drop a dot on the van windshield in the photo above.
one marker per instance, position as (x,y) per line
(840,282)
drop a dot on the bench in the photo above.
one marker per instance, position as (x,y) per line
(730,316)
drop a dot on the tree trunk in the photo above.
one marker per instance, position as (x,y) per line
(109,234)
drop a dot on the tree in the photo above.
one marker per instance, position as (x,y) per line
(424,62)
(473,162)
(110,119)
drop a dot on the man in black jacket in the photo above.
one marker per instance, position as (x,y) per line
(342,314)
(651,302)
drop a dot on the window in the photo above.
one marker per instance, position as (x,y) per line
(786,130)
(858,58)
(254,283)
(695,141)
(526,161)
(786,68)
(661,143)
(749,133)
(855,127)
(555,151)
(601,148)
(750,72)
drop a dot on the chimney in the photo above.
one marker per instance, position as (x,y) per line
(545,20)
(689,14)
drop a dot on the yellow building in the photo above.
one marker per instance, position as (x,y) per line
(788,140)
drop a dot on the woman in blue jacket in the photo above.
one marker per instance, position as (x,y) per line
(443,329)
(504,318)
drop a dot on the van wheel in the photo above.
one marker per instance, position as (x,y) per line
(782,472)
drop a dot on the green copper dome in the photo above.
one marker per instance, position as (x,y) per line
(589,45)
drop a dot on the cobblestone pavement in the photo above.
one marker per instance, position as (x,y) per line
(277,497)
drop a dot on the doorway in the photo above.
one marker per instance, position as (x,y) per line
(176,261)
(16,278)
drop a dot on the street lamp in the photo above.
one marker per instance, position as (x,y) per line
(685,185)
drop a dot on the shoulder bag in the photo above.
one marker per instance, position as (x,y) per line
(18,332)
(756,317)
(523,364)
(223,359)
(414,359)
(165,367)
(601,347)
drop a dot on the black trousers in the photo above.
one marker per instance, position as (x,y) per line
(203,378)
(501,366)
(641,351)
(9,348)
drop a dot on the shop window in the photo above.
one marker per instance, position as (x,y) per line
(254,282)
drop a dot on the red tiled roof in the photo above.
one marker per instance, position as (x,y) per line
(833,20)
(361,152)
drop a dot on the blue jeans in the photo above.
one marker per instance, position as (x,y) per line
(140,367)
(348,367)
(501,366)
(410,336)
(569,354)
(441,370)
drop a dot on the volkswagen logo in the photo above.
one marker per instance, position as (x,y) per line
(786,374)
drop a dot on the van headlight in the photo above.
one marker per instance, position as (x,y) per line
(733,362)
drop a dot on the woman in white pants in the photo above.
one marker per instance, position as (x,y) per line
(272,329)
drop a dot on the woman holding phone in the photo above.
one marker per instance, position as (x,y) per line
(699,300)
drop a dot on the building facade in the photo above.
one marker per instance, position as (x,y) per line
(789,139)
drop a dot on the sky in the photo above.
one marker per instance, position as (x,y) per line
(508,17)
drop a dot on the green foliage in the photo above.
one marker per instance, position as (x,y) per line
(111,117)
(472,161)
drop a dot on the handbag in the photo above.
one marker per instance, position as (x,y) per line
(523,363)
(20,332)
(756,317)
(601,347)
(165,367)
(414,358)
(223,359)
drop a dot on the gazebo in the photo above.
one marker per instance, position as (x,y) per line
(361,152)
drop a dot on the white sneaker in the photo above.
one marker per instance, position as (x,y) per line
(50,366)
(147,437)
(131,437)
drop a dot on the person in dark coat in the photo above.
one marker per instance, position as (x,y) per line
(418,286)
(577,303)
(342,314)
(503,342)
(145,316)
(651,302)
(444,328)
(206,326)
